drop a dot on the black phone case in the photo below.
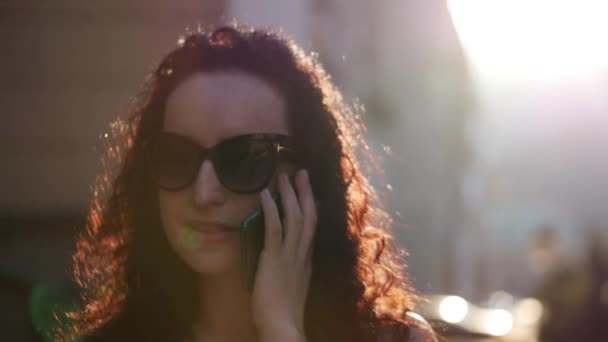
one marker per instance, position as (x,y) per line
(252,243)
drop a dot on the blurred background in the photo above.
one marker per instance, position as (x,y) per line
(490,117)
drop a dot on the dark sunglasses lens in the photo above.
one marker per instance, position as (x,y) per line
(174,161)
(245,164)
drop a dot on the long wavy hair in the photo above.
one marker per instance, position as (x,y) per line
(135,288)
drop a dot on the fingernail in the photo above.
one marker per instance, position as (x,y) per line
(265,193)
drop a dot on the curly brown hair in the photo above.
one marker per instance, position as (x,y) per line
(134,287)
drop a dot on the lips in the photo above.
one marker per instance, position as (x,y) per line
(211,226)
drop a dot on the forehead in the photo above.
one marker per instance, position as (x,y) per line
(210,107)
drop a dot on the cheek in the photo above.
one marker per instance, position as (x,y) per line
(245,206)
(168,205)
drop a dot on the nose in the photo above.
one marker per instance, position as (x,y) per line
(208,191)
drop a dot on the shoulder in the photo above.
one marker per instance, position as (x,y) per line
(418,330)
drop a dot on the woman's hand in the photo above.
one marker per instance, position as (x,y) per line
(285,266)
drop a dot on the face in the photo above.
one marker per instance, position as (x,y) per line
(209,108)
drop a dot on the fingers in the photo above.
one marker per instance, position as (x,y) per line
(300,218)
(293,220)
(309,213)
(273,233)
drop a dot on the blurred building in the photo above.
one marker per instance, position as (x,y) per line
(539,131)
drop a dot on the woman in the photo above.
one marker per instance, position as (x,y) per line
(229,117)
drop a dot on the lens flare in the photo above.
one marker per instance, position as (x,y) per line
(453,309)
(498,322)
(532,38)
(529,311)
(189,237)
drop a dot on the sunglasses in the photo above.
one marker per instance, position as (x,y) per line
(243,163)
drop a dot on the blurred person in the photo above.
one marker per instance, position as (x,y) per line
(591,323)
(546,252)
(560,283)
(227,117)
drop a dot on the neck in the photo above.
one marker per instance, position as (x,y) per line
(225,309)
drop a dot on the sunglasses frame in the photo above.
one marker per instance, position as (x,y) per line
(281,148)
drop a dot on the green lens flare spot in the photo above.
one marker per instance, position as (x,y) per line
(48,312)
(189,237)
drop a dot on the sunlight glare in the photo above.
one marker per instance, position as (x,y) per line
(532,38)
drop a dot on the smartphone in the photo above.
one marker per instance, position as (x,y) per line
(252,242)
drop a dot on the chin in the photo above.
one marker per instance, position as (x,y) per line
(205,257)
(212,263)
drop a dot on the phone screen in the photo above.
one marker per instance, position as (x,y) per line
(252,242)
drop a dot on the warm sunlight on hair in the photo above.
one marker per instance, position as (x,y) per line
(539,39)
